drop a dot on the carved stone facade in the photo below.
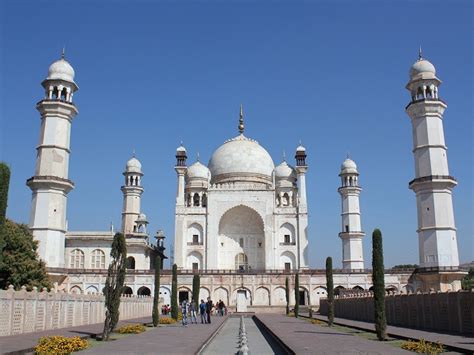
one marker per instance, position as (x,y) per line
(262,290)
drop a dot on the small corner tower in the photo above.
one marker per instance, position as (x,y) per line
(132,220)
(50,184)
(432,184)
(302,206)
(351,235)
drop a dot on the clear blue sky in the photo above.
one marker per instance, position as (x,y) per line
(153,73)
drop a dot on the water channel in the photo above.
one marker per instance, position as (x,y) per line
(228,339)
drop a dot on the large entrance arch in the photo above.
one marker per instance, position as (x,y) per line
(241,232)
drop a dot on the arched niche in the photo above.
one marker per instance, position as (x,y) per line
(241,231)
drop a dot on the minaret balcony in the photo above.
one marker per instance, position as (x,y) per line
(433,182)
(427,100)
(50,182)
(62,108)
(351,234)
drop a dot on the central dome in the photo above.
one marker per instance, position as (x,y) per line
(241,159)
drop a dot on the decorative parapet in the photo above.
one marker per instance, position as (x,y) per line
(33,311)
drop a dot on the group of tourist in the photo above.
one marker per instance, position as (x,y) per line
(205,309)
(165,309)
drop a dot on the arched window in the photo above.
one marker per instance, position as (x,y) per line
(98,259)
(75,289)
(127,290)
(131,262)
(286,199)
(241,262)
(144,291)
(196,199)
(204,200)
(189,200)
(76,259)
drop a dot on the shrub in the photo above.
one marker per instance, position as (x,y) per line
(60,345)
(423,347)
(167,320)
(131,329)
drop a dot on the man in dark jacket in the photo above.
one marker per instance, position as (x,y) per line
(209,306)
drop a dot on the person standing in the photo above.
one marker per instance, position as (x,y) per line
(184,312)
(202,310)
(209,309)
(192,311)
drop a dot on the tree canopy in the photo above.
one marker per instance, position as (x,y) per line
(21,265)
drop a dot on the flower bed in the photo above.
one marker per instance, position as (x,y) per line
(60,345)
(166,320)
(131,329)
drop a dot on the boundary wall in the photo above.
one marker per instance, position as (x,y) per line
(451,312)
(33,311)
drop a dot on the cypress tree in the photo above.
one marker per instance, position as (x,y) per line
(156,294)
(4,185)
(287,295)
(379,285)
(330,289)
(114,284)
(297,294)
(196,287)
(174,293)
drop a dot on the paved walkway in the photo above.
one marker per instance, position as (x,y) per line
(303,337)
(457,342)
(23,343)
(174,339)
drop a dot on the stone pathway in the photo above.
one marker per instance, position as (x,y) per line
(174,339)
(303,337)
(460,343)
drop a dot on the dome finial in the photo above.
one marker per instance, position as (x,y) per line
(63,52)
(284,155)
(197,157)
(133,153)
(348,155)
(420,54)
(241,120)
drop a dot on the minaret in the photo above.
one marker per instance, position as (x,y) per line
(301,169)
(351,235)
(50,184)
(181,171)
(132,192)
(432,184)
(180,209)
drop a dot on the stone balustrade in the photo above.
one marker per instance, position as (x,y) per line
(33,311)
